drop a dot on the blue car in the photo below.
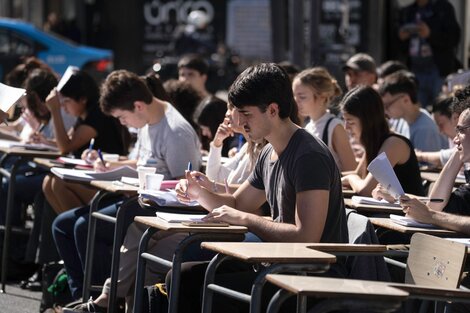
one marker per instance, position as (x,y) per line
(19,39)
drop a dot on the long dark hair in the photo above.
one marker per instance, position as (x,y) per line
(366,104)
(81,85)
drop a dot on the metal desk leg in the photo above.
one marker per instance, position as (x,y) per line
(256,290)
(209,278)
(119,231)
(277,300)
(91,243)
(9,209)
(141,263)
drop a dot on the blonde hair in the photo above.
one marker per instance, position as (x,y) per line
(321,81)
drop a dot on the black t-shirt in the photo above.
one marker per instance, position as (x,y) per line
(305,164)
(459,201)
(408,173)
(110,136)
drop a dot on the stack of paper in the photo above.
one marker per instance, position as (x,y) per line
(408,221)
(86,175)
(75,162)
(372,201)
(165,198)
(179,218)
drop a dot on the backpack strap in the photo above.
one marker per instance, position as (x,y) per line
(325,131)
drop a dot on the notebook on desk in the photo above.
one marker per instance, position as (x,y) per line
(179,218)
(409,222)
(28,146)
(371,201)
(165,198)
(89,175)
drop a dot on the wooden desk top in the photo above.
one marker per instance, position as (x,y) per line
(387,223)
(112,186)
(279,252)
(18,151)
(432,177)
(346,247)
(46,163)
(348,193)
(370,208)
(155,222)
(418,290)
(337,287)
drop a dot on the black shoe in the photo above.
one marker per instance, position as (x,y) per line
(36,278)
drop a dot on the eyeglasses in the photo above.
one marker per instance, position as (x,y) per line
(390,103)
(460,130)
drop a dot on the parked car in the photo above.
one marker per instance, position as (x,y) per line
(19,39)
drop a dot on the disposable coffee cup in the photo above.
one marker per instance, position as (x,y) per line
(153,181)
(142,170)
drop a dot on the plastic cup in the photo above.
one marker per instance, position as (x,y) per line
(153,181)
(142,170)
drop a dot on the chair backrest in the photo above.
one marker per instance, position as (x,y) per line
(361,231)
(435,262)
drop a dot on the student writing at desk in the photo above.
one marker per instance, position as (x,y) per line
(295,173)
(363,112)
(165,141)
(453,213)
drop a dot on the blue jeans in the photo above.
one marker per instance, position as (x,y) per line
(70,230)
(28,184)
(430,85)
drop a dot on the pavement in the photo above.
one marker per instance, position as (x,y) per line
(17,300)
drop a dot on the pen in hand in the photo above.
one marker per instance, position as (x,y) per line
(92,143)
(41,128)
(100,155)
(227,190)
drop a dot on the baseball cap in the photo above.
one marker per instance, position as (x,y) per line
(361,62)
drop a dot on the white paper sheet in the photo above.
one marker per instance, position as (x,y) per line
(179,218)
(65,78)
(86,175)
(372,201)
(9,96)
(408,221)
(383,172)
(165,198)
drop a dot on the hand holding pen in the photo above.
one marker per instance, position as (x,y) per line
(100,156)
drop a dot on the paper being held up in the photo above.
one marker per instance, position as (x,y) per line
(383,172)
(9,96)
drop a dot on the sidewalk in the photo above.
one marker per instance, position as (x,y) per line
(17,300)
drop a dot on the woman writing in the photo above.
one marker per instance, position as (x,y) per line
(364,117)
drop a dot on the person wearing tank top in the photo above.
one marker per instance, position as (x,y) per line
(364,117)
(313,90)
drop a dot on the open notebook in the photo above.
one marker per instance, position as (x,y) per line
(408,221)
(88,175)
(371,201)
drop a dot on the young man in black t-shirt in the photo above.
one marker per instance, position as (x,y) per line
(295,173)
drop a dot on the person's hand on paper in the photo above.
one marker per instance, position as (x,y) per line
(89,155)
(52,101)
(101,167)
(226,214)
(380,193)
(188,189)
(416,209)
(37,138)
